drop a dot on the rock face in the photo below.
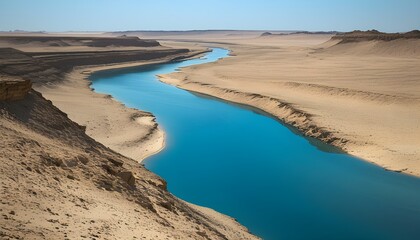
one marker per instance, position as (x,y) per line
(12,89)
(128,177)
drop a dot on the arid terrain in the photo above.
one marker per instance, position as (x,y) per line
(69,157)
(359,91)
(59,183)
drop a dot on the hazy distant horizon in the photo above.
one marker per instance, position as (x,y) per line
(189,30)
(184,15)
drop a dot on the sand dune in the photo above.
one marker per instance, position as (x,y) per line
(396,48)
(375,43)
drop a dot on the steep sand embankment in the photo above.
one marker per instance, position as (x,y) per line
(363,100)
(59,183)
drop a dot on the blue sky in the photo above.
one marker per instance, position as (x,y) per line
(111,15)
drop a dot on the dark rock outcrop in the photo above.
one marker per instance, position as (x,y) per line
(12,89)
(372,35)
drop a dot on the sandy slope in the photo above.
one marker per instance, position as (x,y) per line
(363,97)
(58,183)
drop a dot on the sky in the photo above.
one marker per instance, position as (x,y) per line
(119,15)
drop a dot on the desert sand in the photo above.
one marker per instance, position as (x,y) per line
(361,95)
(59,183)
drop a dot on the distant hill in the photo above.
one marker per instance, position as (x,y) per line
(359,36)
(317,32)
(268,34)
(373,42)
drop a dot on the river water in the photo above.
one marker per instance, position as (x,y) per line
(247,165)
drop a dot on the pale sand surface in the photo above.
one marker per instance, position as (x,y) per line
(362,97)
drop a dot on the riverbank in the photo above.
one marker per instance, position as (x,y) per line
(277,79)
(131,132)
(230,157)
(361,97)
(59,180)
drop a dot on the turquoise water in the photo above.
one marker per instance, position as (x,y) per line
(249,166)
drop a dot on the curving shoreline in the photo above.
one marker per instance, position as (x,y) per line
(289,100)
(136,134)
(121,121)
(238,137)
(75,97)
(286,113)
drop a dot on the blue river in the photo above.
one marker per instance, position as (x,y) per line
(250,166)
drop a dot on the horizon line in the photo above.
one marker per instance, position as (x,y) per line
(189,30)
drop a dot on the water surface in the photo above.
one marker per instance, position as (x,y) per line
(249,166)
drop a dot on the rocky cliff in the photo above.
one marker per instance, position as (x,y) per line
(12,88)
